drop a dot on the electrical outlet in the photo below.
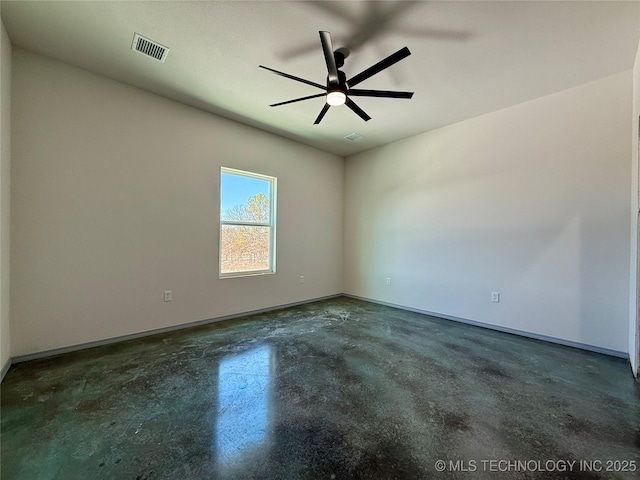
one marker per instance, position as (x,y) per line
(167,296)
(301,278)
(495,297)
(388,280)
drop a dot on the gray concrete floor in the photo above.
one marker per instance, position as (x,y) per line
(329,390)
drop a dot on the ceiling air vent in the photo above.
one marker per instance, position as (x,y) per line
(354,137)
(149,48)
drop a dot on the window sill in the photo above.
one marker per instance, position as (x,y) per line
(246,274)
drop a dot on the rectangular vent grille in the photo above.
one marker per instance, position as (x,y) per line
(149,47)
(354,137)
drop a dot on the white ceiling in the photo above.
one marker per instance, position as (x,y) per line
(468,58)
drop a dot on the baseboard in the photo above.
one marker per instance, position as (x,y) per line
(148,333)
(512,331)
(5,369)
(122,338)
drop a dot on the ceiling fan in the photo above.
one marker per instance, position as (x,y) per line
(338,89)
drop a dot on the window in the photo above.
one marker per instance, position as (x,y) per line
(247,223)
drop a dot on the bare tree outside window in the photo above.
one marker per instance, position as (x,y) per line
(246,232)
(246,247)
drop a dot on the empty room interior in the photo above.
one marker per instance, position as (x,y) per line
(319,240)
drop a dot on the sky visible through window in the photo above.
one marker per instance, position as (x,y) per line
(237,189)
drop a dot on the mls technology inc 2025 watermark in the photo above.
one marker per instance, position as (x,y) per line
(494,465)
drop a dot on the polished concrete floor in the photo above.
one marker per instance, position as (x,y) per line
(330,390)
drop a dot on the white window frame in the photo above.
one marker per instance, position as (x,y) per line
(271,224)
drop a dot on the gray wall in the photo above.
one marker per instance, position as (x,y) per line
(532,201)
(634,351)
(5,191)
(115,199)
(115,196)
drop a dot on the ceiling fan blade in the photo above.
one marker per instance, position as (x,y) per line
(378,67)
(322,112)
(378,19)
(298,99)
(297,79)
(379,93)
(327,48)
(351,104)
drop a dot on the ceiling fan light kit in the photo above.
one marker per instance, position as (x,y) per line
(338,89)
(336,98)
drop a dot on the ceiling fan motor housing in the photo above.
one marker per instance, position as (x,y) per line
(342,83)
